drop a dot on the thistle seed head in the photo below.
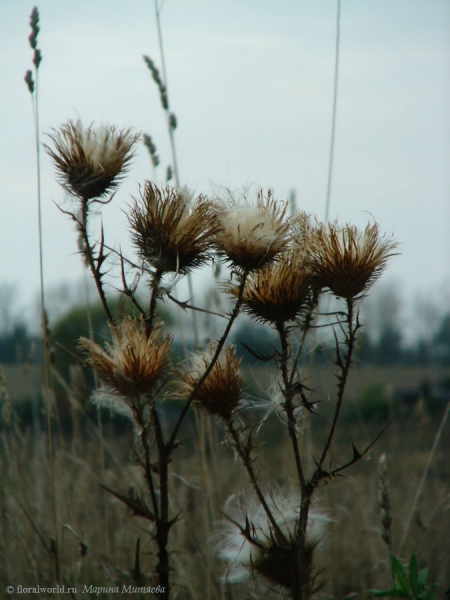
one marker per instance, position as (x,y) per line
(223,390)
(348,261)
(279,292)
(171,233)
(91,162)
(133,364)
(249,544)
(252,235)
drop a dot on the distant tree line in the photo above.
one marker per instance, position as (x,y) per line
(386,347)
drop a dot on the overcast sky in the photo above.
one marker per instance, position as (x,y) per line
(251,84)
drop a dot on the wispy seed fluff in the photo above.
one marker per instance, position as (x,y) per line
(248,544)
(133,364)
(348,261)
(91,161)
(223,390)
(252,235)
(171,232)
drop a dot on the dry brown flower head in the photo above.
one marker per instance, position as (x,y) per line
(91,161)
(133,363)
(348,261)
(223,389)
(170,234)
(279,292)
(252,235)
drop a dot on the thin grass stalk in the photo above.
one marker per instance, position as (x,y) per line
(35,110)
(174,154)
(424,476)
(333,120)
(96,382)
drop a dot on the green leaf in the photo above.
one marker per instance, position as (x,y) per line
(423,577)
(413,574)
(400,572)
(391,594)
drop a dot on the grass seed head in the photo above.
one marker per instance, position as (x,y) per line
(91,161)
(252,235)
(348,261)
(172,233)
(134,363)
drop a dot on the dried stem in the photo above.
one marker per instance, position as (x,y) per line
(220,345)
(94,263)
(289,394)
(244,454)
(344,364)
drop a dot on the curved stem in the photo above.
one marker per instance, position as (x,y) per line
(220,345)
(247,461)
(344,366)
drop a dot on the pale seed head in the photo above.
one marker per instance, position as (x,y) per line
(250,546)
(171,233)
(91,161)
(348,261)
(252,235)
(134,363)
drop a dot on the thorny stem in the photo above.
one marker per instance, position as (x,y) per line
(247,462)
(95,269)
(220,345)
(289,394)
(162,523)
(173,149)
(148,468)
(344,366)
(305,329)
(153,300)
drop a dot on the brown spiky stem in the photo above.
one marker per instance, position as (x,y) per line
(220,345)
(344,363)
(308,319)
(161,508)
(89,255)
(289,394)
(245,456)
(302,571)
(145,434)
(163,525)
(149,321)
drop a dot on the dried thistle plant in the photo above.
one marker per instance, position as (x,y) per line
(278,293)
(134,364)
(223,389)
(252,235)
(91,162)
(256,550)
(282,266)
(170,234)
(349,261)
